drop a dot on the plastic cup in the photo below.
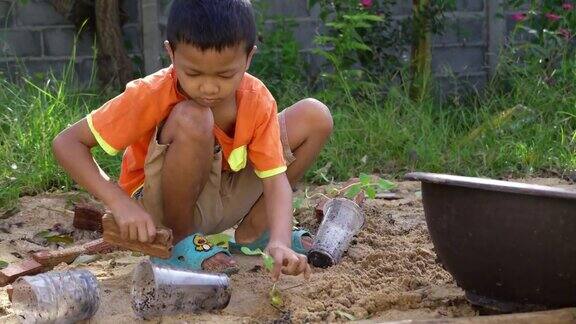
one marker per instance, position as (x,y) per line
(160,290)
(342,220)
(56,297)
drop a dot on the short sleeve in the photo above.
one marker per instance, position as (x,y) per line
(265,150)
(126,118)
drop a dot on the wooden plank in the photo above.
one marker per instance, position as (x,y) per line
(161,247)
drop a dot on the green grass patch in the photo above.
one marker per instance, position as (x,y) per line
(524,124)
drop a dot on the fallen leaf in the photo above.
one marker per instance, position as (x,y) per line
(85,259)
(350,317)
(65,239)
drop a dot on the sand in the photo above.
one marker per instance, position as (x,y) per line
(389,272)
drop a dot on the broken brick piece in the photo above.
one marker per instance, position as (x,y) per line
(16,270)
(51,259)
(98,246)
(161,247)
(87,217)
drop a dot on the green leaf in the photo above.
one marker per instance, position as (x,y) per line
(276,297)
(219,239)
(349,317)
(365,179)
(3,264)
(45,233)
(353,191)
(65,239)
(371,192)
(248,251)
(268,261)
(385,184)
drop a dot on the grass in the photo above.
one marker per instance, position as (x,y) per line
(524,124)
(32,113)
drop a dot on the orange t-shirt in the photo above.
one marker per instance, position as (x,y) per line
(128,122)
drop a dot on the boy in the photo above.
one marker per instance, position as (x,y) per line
(205,149)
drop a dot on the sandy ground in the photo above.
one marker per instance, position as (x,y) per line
(388,273)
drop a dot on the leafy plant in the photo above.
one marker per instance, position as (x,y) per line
(274,294)
(3,264)
(369,186)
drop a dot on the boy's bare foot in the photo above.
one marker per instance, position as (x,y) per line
(218,262)
(307,242)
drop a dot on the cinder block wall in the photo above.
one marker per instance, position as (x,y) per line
(459,54)
(33,34)
(35,37)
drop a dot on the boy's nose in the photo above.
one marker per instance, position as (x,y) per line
(209,89)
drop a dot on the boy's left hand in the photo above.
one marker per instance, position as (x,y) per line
(287,261)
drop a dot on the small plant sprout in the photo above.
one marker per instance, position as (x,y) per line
(275,296)
(370,185)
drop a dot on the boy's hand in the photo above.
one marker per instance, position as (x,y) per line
(287,261)
(134,222)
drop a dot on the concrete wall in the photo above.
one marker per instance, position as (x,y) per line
(39,36)
(35,37)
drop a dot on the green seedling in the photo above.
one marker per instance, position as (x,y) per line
(266,259)
(370,185)
(3,264)
(274,294)
(276,298)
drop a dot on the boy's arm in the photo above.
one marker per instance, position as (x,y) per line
(72,150)
(278,201)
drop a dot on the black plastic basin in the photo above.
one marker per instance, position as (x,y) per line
(510,246)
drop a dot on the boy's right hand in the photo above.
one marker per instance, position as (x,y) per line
(133,221)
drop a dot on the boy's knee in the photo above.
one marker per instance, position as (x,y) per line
(192,122)
(318,115)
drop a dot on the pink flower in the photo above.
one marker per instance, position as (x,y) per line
(567,6)
(552,16)
(519,16)
(366,3)
(565,33)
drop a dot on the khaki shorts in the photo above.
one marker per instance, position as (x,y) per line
(226,198)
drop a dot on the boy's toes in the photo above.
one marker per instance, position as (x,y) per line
(218,263)
(307,242)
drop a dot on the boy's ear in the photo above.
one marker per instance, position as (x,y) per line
(250,56)
(169,50)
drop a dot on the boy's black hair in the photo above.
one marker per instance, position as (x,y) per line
(212,24)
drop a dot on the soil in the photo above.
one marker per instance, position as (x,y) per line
(389,272)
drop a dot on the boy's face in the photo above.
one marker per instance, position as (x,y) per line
(209,77)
